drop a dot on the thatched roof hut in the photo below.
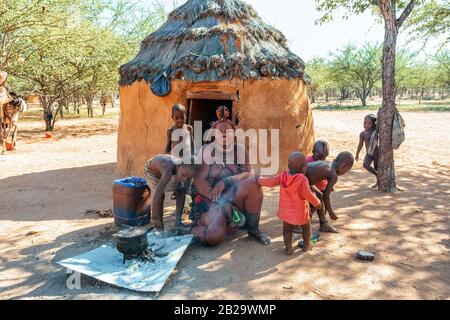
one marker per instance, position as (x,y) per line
(214,52)
(214,40)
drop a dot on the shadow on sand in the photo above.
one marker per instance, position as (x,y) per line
(408,231)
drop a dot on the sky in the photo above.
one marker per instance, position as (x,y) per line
(296,19)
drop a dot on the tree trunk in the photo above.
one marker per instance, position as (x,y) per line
(90,106)
(421,95)
(45,111)
(77,105)
(58,110)
(363,101)
(113,103)
(386,169)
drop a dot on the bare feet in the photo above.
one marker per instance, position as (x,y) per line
(289,251)
(325,227)
(260,237)
(183,229)
(300,245)
(157,224)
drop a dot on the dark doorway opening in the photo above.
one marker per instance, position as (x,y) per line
(204,110)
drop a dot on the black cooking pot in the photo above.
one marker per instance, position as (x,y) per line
(132,241)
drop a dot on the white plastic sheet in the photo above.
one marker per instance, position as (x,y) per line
(106,264)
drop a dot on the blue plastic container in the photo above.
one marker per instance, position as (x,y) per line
(131,202)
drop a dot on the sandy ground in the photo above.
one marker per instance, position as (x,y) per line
(46,186)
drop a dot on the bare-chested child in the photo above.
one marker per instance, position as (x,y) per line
(365,137)
(295,197)
(162,173)
(322,170)
(184,134)
(180,140)
(320,152)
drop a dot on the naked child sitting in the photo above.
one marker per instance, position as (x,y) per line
(163,174)
(322,170)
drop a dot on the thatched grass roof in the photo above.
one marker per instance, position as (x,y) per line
(213,40)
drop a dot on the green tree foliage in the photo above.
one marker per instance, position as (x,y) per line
(431,21)
(352,70)
(358,68)
(68,50)
(321,78)
(441,74)
(394,13)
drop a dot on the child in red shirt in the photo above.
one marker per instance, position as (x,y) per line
(295,196)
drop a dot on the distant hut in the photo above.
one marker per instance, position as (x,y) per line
(214,52)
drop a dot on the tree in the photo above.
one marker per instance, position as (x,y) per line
(392,23)
(65,50)
(19,21)
(46,51)
(431,21)
(321,78)
(420,78)
(441,70)
(411,75)
(358,68)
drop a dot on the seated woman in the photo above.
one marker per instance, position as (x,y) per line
(224,189)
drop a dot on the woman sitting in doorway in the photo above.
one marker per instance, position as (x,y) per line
(225,190)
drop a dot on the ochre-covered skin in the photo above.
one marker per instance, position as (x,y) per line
(263,104)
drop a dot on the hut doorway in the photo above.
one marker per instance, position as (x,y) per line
(204,110)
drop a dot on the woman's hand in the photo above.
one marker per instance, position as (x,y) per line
(217,191)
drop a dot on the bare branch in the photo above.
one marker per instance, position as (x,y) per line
(406,12)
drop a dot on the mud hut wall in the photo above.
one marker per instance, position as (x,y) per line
(279,104)
(263,104)
(143,124)
(145,118)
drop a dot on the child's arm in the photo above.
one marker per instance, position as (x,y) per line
(360,145)
(308,195)
(326,195)
(269,181)
(201,181)
(169,141)
(316,190)
(177,188)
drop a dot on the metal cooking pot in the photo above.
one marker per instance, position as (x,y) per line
(132,241)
